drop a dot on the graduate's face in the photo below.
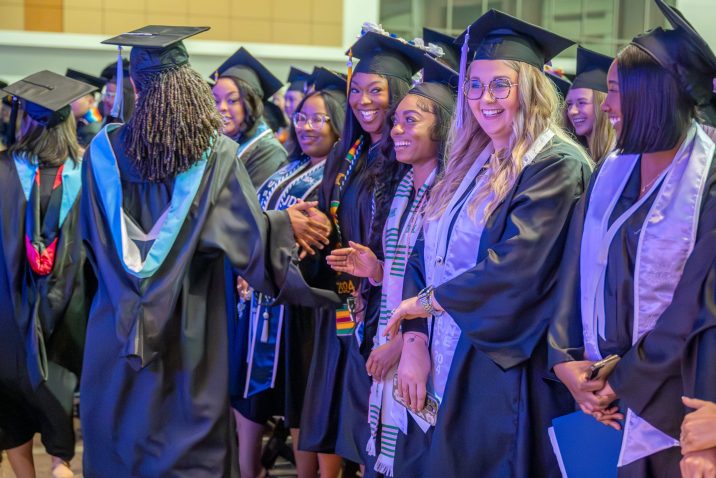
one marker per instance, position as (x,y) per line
(612,105)
(580,110)
(369,99)
(291,99)
(81,106)
(229,104)
(110,90)
(314,134)
(411,133)
(494,115)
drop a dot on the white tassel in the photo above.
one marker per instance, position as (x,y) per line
(384,465)
(461,82)
(118,105)
(370,446)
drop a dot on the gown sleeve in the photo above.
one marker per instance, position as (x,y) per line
(503,305)
(565,338)
(259,245)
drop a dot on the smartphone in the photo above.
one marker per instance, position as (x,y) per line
(603,368)
(429,413)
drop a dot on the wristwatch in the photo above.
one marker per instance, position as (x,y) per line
(425,298)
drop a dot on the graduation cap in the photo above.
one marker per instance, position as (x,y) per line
(683,53)
(47,96)
(386,55)
(451,51)
(298,79)
(499,36)
(109,72)
(592,68)
(559,80)
(274,116)
(325,79)
(86,78)
(439,84)
(243,66)
(155,48)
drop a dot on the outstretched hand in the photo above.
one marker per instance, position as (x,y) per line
(356,260)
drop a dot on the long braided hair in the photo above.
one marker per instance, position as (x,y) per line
(174,122)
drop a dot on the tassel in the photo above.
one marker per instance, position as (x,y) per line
(370,446)
(384,465)
(461,82)
(349,75)
(118,105)
(265,328)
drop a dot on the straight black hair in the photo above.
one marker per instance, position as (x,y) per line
(655,110)
(335,102)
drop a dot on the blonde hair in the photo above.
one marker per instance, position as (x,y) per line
(603,138)
(538,111)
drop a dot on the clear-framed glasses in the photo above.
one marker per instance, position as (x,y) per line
(499,88)
(300,120)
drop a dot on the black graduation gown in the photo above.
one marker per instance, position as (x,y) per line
(262,158)
(647,379)
(168,414)
(335,412)
(64,297)
(498,399)
(86,131)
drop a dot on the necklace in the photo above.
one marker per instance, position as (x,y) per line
(648,185)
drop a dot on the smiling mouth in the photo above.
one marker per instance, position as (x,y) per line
(308,138)
(368,115)
(578,120)
(614,120)
(491,113)
(401,144)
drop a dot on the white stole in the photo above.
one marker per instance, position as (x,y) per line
(665,243)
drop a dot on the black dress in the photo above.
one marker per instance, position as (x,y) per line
(55,305)
(154,389)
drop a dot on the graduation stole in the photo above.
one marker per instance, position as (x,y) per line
(665,243)
(397,244)
(296,180)
(42,234)
(261,130)
(345,313)
(164,233)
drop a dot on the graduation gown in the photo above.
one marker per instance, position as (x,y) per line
(498,399)
(155,389)
(335,412)
(42,318)
(647,379)
(261,153)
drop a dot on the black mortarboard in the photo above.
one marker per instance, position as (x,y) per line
(274,116)
(243,66)
(560,81)
(325,79)
(386,55)
(47,96)
(298,79)
(499,36)
(86,78)
(683,53)
(156,47)
(592,68)
(439,83)
(451,51)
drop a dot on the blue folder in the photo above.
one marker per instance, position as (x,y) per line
(584,447)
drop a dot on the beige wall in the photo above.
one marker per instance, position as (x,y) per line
(306,22)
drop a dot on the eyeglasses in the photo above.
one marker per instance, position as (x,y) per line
(499,89)
(317,121)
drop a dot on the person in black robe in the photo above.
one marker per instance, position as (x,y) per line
(243,87)
(647,380)
(355,194)
(268,371)
(158,233)
(483,352)
(45,284)
(111,91)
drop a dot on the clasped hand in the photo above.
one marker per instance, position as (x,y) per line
(592,396)
(311,227)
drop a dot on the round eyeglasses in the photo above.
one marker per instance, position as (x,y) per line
(499,88)
(316,121)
